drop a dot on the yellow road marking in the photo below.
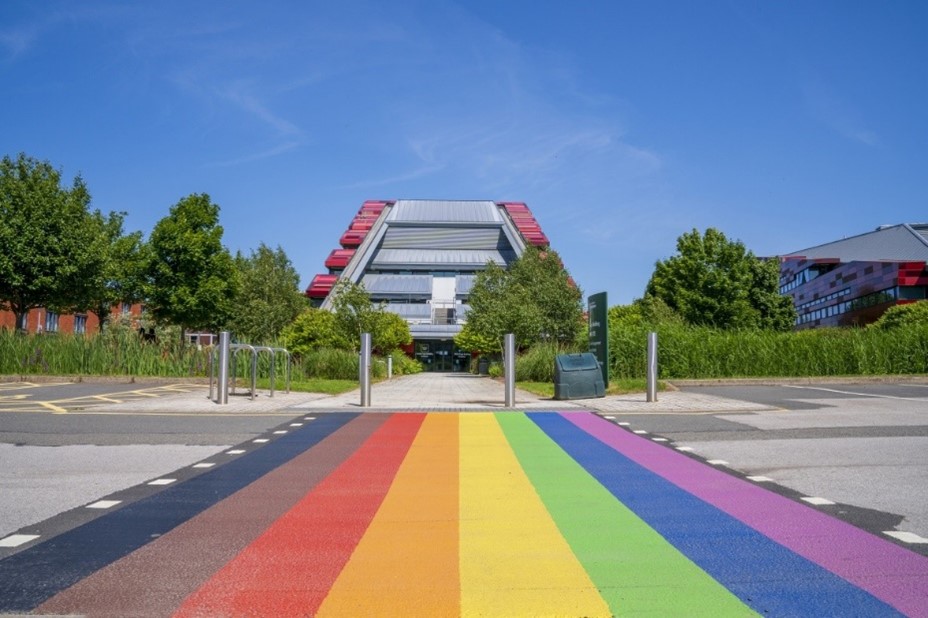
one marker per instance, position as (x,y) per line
(16,403)
(55,409)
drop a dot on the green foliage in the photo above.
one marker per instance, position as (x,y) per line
(329,363)
(390,331)
(121,277)
(268,297)
(705,352)
(535,300)
(712,281)
(48,241)
(403,365)
(355,313)
(647,311)
(470,341)
(193,279)
(903,316)
(313,328)
(117,351)
(537,363)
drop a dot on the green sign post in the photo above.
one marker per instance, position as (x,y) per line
(599,332)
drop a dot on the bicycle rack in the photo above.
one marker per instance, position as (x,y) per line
(221,359)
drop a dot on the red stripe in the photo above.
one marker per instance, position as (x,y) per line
(289,569)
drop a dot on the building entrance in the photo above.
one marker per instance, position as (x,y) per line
(441,355)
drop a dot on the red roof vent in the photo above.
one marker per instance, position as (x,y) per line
(321,286)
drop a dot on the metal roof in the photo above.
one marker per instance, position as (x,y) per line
(411,310)
(444,211)
(381,284)
(430,259)
(487,238)
(896,243)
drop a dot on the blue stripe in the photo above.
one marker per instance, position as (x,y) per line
(34,575)
(766,576)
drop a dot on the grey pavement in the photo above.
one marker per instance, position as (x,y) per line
(424,391)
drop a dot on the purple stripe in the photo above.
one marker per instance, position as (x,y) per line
(889,572)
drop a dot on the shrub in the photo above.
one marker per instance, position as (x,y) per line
(903,316)
(705,352)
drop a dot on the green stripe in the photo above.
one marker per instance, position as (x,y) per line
(635,569)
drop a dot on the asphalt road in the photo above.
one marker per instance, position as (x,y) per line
(54,458)
(861,446)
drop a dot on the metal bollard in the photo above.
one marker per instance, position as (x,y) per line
(652,366)
(223,380)
(509,368)
(364,369)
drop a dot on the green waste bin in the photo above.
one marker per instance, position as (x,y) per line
(578,376)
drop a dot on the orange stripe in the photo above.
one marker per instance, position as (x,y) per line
(407,562)
(290,568)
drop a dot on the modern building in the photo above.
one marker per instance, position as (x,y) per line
(420,257)
(851,282)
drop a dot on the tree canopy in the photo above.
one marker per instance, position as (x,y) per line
(352,313)
(355,313)
(193,279)
(48,248)
(268,298)
(535,299)
(121,275)
(713,281)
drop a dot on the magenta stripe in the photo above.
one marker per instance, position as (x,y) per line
(889,572)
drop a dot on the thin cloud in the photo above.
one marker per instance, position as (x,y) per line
(837,114)
(266,154)
(250,103)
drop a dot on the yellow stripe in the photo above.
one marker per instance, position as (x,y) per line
(514,562)
(407,562)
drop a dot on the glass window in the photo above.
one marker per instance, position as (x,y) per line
(51,322)
(80,324)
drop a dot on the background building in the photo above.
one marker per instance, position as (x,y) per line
(851,282)
(42,320)
(420,258)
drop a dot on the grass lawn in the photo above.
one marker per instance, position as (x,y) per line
(617,387)
(316,385)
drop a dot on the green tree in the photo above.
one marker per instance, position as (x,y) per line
(717,282)
(122,273)
(535,300)
(647,312)
(192,275)
(269,297)
(47,250)
(355,313)
(313,329)
(391,332)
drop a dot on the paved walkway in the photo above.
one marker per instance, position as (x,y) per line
(428,392)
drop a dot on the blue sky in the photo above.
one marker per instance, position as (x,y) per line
(622,124)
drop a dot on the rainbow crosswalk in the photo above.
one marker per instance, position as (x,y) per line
(472,514)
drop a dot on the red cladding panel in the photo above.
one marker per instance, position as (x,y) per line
(321,286)
(339,258)
(352,238)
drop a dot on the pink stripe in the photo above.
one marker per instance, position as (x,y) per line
(889,572)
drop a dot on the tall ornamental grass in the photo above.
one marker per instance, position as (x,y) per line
(120,352)
(702,352)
